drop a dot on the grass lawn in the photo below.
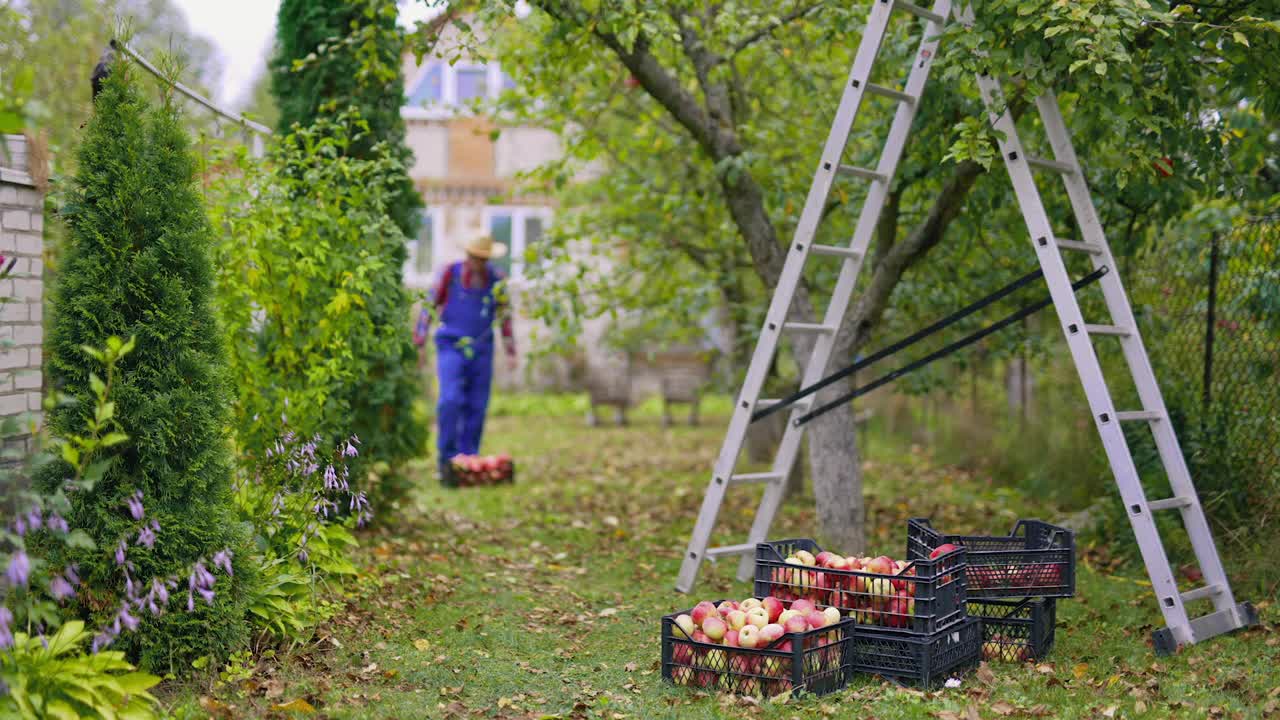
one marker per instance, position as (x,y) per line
(542,599)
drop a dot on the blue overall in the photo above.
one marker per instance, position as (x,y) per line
(464,360)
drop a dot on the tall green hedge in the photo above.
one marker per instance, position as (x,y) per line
(334,54)
(137,264)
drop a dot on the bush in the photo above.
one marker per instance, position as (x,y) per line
(312,305)
(137,265)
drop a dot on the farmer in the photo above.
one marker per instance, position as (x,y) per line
(469,297)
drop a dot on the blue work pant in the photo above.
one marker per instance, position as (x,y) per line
(465,378)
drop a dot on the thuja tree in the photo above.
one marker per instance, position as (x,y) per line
(137,265)
(310,299)
(335,54)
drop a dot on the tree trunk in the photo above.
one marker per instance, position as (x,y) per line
(837,476)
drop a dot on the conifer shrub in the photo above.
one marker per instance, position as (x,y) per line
(137,264)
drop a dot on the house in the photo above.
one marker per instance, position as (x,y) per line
(466,166)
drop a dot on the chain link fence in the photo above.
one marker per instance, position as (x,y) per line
(1211,321)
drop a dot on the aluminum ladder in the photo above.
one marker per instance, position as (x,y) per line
(1181,629)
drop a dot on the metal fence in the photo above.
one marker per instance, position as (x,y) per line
(1211,320)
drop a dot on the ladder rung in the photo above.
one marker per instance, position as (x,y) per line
(742,549)
(833,250)
(1172,503)
(890,93)
(862,173)
(1081,246)
(770,402)
(1054,165)
(918,11)
(764,477)
(808,327)
(1201,593)
(1107,330)
(1131,415)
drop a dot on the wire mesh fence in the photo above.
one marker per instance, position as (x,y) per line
(1212,325)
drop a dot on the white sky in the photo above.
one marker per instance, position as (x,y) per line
(243,31)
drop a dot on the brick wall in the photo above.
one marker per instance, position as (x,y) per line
(22,313)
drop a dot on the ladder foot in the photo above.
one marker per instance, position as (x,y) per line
(1243,615)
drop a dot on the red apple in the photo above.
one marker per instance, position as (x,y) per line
(803,606)
(702,611)
(943,550)
(701,637)
(796,624)
(823,559)
(770,634)
(731,638)
(774,606)
(882,565)
(816,619)
(726,607)
(715,628)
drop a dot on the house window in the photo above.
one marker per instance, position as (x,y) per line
(472,84)
(520,229)
(426,252)
(430,88)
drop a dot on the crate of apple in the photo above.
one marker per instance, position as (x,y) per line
(1016,630)
(1036,559)
(759,647)
(475,470)
(917,597)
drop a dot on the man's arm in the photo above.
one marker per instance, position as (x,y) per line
(424,318)
(502,297)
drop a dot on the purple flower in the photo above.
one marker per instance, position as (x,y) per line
(223,560)
(71,575)
(19,569)
(33,519)
(120,552)
(135,505)
(302,556)
(330,478)
(147,534)
(60,589)
(6,635)
(20,526)
(57,524)
(350,450)
(103,639)
(130,622)
(158,598)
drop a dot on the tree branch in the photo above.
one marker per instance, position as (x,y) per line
(771,28)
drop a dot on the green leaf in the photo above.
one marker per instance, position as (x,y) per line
(1240,38)
(79,539)
(115,438)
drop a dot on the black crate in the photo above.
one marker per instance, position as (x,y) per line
(1036,559)
(1016,630)
(928,596)
(923,661)
(817,661)
(453,477)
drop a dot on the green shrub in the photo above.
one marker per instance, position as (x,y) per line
(60,681)
(137,265)
(312,304)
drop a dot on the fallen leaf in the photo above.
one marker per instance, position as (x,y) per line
(946,715)
(972,713)
(1003,708)
(422,644)
(1139,707)
(630,667)
(608,612)
(298,705)
(781,698)
(1044,669)
(985,675)
(1111,711)
(1080,670)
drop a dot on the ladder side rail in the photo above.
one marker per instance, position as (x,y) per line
(780,306)
(1087,366)
(868,218)
(1135,354)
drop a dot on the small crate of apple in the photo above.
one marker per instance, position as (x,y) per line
(1016,630)
(1036,559)
(757,647)
(476,470)
(918,597)
(925,661)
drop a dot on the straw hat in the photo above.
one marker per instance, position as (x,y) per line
(483,246)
